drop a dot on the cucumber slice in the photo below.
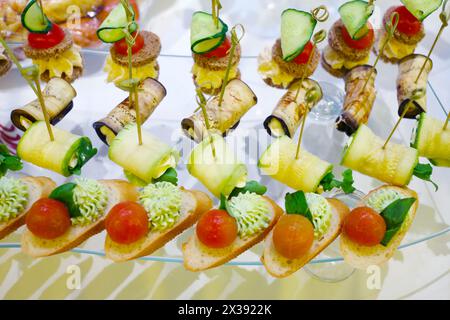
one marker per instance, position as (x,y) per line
(221,173)
(146,161)
(354,15)
(440,162)
(304,174)
(32,18)
(205,36)
(297,28)
(111,30)
(420,8)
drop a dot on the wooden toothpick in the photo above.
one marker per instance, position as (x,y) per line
(216,7)
(201,101)
(446,122)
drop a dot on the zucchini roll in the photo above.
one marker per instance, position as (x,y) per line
(58,95)
(394,164)
(431,140)
(151,93)
(408,69)
(147,161)
(357,104)
(66,154)
(237,100)
(216,166)
(305,173)
(287,115)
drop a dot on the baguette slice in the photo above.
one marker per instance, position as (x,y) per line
(360,256)
(118,191)
(194,204)
(280,267)
(38,187)
(198,257)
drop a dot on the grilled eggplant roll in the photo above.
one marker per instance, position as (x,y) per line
(58,95)
(287,115)
(237,100)
(357,104)
(408,70)
(151,93)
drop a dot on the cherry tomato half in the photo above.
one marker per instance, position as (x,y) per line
(217,229)
(407,23)
(121,46)
(293,235)
(303,57)
(127,222)
(364,42)
(46,40)
(365,226)
(48,218)
(221,51)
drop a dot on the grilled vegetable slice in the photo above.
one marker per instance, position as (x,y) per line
(354,15)
(151,93)
(215,165)
(58,95)
(305,173)
(111,30)
(237,100)
(422,9)
(205,35)
(394,164)
(66,154)
(32,19)
(287,115)
(357,104)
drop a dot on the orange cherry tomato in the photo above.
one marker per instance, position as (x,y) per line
(121,46)
(48,218)
(364,42)
(221,51)
(365,226)
(293,236)
(46,40)
(127,222)
(303,57)
(407,23)
(217,229)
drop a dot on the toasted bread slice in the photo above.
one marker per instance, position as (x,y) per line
(118,191)
(55,51)
(360,256)
(150,51)
(280,267)
(198,257)
(38,187)
(194,204)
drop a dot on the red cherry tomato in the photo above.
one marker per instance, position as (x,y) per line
(48,219)
(365,226)
(293,235)
(407,23)
(121,46)
(127,222)
(46,40)
(364,42)
(303,57)
(217,229)
(221,51)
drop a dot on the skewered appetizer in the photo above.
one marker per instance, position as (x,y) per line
(431,140)
(238,99)
(66,154)
(10,25)
(357,103)
(50,47)
(5,62)
(310,224)
(289,111)
(293,56)
(210,48)
(410,30)
(150,91)
(72,213)
(373,231)
(407,86)
(350,39)
(58,97)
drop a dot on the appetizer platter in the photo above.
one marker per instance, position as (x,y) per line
(213,158)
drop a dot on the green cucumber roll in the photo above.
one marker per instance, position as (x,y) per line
(205,35)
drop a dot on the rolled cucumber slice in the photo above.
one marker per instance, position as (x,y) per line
(297,28)
(420,8)
(303,174)
(111,30)
(221,172)
(354,15)
(146,161)
(205,35)
(33,20)
(440,162)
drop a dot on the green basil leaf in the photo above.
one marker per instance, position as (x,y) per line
(329,182)
(424,172)
(295,203)
(170,175)
(84,153)
(64,193)
(394,215)
(250,186)
(8,161)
